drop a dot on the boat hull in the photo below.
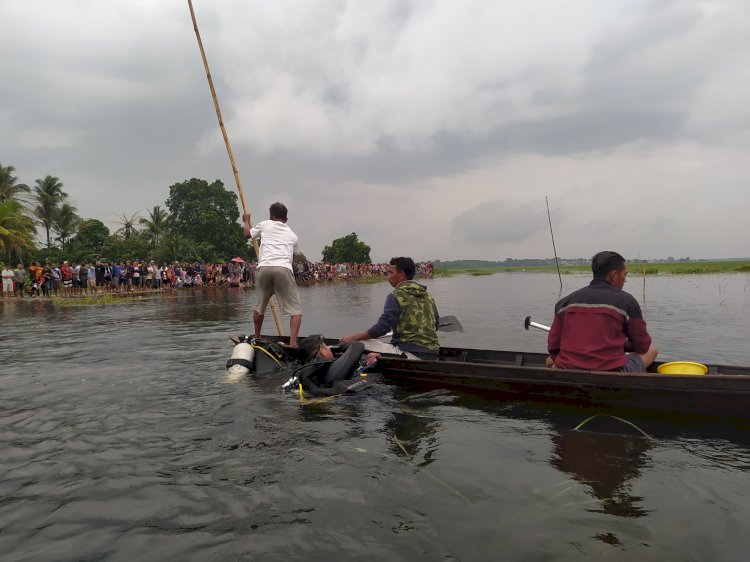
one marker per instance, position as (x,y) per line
(725,391)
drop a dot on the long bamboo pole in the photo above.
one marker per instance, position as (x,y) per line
(554,249)
(229,151)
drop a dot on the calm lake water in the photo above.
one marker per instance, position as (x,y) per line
(122,440)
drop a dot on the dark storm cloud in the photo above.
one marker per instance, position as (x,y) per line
(567,135)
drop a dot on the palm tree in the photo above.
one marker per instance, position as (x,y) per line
(9,189)
(16,229)
(156,224)
(48,195)
(128,225)
(65,222)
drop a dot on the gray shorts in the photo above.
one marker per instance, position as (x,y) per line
(634,365)
(279,281)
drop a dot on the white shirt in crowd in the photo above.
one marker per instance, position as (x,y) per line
(278,243)
(7,275)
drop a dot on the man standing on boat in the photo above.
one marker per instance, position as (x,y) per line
(409,311)
(274,275)
(600,327)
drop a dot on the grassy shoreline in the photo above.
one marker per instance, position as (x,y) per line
(636,269)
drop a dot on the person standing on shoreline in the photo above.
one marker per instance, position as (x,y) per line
(35,278)
(46,280)
(83,278)
(274,274)
(56,279)
(19,279)
(66,273)
(7,281)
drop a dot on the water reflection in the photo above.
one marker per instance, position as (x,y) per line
(606,463)
(210,305)
(413,436)
(605,457)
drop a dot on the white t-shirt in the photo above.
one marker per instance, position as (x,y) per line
(278,243)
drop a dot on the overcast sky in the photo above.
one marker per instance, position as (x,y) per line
(431,128)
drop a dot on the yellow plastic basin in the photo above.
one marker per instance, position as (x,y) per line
(682,368)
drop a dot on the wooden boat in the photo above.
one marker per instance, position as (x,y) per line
(724,391)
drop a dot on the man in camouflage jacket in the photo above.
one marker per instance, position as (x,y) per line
(409,312)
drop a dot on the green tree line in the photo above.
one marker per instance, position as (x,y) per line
(198,221)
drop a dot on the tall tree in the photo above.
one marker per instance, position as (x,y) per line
(207,213)
(48,195)
(9,188)
(156,224)
(128,225)
(16,229)
(176,247)
(116,248)
(347,249)
(65,222)
(91,237)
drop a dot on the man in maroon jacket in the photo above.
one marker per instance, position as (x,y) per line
(600,327)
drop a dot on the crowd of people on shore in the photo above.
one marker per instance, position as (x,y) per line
(70,279)
(306,272)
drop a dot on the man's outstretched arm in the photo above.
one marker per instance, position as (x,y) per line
(386,322)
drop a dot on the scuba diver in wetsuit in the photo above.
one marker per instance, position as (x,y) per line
(327,374)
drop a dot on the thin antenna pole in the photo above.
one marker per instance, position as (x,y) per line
(229,151)
(557,261)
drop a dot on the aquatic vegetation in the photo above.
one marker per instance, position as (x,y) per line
(109,298)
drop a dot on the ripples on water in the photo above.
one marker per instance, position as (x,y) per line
(121,440)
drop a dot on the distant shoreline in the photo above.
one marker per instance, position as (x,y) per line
(636,269)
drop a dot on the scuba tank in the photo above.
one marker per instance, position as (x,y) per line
(243,357)
(259,356)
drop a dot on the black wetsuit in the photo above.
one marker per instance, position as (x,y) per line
(329,377)
(343,366)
